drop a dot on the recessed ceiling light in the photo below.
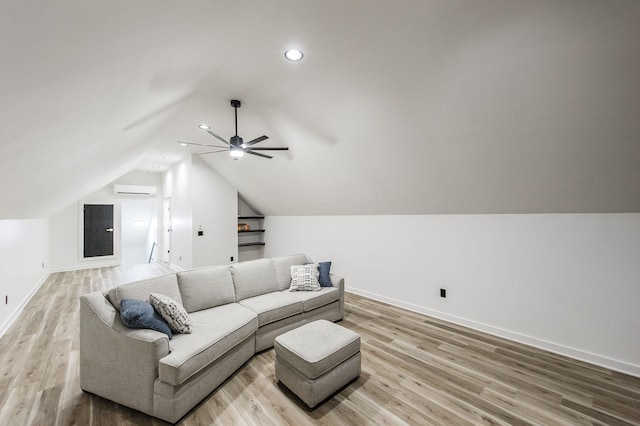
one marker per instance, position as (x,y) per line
(167,157)
(183,144)
(204,127)
(293,54)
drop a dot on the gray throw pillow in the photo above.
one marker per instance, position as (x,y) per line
(323,269)
(140,314)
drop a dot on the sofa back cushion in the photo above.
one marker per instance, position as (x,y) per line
(206,287)
(253,278)
(283,265)
(140,290)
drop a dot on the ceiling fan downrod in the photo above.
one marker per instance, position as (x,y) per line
(236,104)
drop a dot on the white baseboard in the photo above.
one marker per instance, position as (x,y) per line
(103,265)
(9,321)
(612,364)
(87,266)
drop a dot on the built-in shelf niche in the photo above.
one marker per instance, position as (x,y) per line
(253,237)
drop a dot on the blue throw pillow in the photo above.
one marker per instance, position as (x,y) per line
(140,314)
(323,268)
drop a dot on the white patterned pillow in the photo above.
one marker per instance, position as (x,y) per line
(305,277)
(172,312)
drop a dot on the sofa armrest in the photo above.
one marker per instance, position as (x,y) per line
(338,281)
(117,362)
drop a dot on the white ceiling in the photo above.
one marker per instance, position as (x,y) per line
(399,107)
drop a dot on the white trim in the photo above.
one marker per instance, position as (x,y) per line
(104,265)
(9,321)
(85,266)
(612,364)
(165,236)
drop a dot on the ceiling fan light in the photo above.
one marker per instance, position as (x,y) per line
(236,152)
(204,127)
(293,55)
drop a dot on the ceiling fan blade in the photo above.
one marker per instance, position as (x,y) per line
(256,140)
(216,136)
(201,144)
(280,148)
(213,152)
(248,151)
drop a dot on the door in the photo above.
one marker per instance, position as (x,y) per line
(98,230)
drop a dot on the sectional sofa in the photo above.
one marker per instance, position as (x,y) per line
(236,311)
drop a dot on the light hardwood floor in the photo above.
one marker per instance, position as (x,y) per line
(415,370)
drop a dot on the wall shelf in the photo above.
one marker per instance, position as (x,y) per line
(252,237)
(260,243)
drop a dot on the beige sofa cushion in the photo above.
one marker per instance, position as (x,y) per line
(206,287)
(283,265)
(315,299)
(166,285)
(273,306)
(253,278)
(215,331)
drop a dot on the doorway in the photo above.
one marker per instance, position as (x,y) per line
(139,231)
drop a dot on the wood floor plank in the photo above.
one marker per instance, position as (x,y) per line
(415,370)
(458,406)
(17,407)
(608,418)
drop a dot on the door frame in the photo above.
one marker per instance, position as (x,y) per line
(166,230)
(115,257)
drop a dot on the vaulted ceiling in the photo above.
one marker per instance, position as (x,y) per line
(411,107)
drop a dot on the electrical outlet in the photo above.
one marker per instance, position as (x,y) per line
(232,258)
(443,292)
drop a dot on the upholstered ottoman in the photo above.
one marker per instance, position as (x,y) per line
(317,359)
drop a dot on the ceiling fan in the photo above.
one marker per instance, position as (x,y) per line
(236,146)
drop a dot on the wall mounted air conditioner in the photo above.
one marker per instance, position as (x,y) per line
(134,190)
